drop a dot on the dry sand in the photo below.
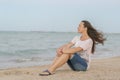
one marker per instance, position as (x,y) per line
(101,69)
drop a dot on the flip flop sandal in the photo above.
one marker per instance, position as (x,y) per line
(45,73)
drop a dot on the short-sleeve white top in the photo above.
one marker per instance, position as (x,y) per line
(86,45)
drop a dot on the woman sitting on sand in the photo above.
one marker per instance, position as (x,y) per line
(77,53)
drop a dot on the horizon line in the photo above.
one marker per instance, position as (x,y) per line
(44,31)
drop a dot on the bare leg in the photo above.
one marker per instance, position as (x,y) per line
(56,58)
(59,62)
(54,61)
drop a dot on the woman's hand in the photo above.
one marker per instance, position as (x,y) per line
(66,46)
(64,49)
(59,52)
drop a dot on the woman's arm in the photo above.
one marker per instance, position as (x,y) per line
(59,50)
(68,45)
(71,50)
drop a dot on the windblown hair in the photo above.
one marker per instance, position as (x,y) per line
(97,37)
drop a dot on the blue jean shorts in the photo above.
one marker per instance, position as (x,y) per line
(77,63)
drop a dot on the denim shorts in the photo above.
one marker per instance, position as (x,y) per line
(77,63)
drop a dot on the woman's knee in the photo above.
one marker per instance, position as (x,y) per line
(69,55)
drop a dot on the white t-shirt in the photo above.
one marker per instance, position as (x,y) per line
(86,45)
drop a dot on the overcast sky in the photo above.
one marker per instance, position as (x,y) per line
(59,15)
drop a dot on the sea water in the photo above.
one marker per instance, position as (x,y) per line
(35,48)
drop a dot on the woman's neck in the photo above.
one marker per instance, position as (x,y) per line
(85,36)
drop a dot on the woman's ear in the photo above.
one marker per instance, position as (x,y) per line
(86,28)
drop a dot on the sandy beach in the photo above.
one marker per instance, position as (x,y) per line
(101,69)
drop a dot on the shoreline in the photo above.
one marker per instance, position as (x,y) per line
(48,63)
(100,69)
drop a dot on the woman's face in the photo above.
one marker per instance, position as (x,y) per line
(81,27)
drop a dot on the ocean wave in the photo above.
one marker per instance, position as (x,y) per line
(33,59)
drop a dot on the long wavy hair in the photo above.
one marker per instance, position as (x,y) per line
(97,37)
